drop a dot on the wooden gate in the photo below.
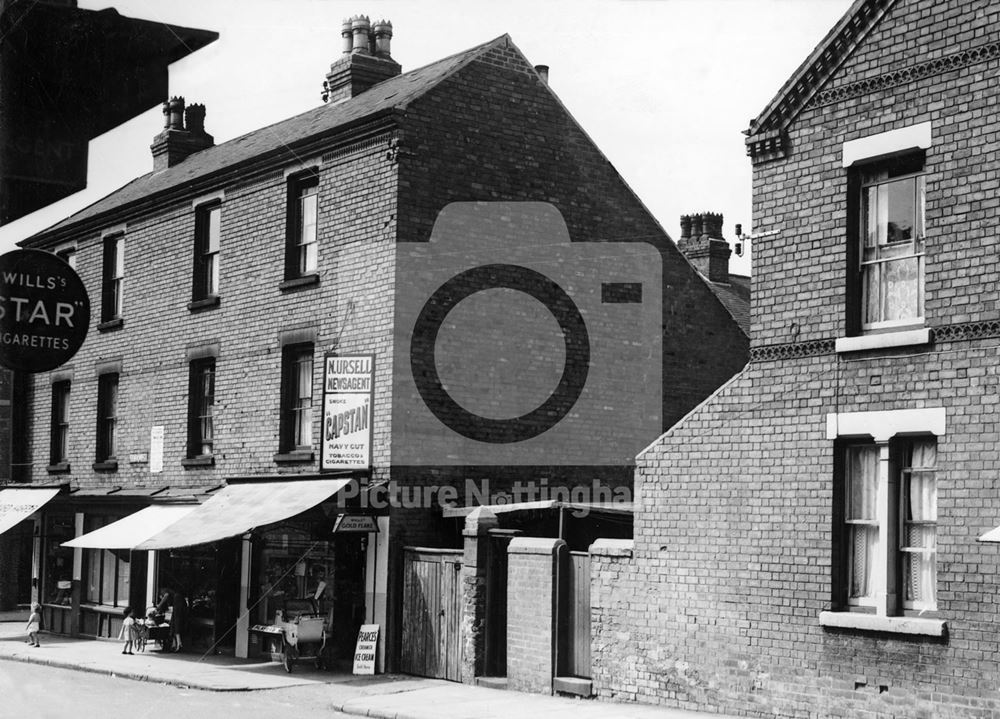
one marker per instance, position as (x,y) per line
(432,613)
(576,657)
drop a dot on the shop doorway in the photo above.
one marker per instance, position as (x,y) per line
(206,578)
(293,572)
(432,613)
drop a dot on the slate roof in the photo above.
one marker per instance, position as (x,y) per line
(392,94)
(735,297)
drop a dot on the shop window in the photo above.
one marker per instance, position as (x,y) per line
(57,560)
(889,533)
(301,251)
(59,444)
(297,399)
(113,282)
(107,421)
(206,256)
(201,409)
(106,573)
(889,284)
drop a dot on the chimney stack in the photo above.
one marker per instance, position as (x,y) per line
(366,59)
(702,243)
(183,134)
(543,72)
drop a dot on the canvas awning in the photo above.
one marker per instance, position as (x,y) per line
(130,531)
(19,504)
(238,508)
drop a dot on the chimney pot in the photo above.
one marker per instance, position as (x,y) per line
(178,140)
(685,227)
(175,119)
(194,119)
(696,225)
(347,36)
(382,30)
(361,27)
(702,243)
(543,72)
(365,61)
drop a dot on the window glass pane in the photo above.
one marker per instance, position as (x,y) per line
(863,533)
(901,209)
(122,583)
(864,544)
(919,510)
(900,289)
(862,482)
(213,275)
(120,257)
(307,256)
(214,220)
(108,576)
(304,377)
(307,218)
(93,589)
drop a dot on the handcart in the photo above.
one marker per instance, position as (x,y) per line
(295,636)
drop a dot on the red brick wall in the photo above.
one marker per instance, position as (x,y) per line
(733,540)
(350,310)
(467,141)
(531,587)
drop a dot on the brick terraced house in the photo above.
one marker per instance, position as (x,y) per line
(807,541)
(185,438)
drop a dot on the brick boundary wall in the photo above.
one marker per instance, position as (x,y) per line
(612,591)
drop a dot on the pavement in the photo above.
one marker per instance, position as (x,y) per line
(384,696)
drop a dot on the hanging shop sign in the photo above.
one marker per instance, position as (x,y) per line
(355,523)
(364,651)
(44,311)
(348,396)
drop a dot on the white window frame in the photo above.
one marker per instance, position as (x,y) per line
(881,428)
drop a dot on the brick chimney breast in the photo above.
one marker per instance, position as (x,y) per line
(702,243)
(179,140)
(366,59)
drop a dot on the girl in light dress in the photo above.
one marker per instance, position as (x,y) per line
(128,631)
(34,624)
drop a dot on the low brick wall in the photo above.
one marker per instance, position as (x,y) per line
(612,646)
(532,564)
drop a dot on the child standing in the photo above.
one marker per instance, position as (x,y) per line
(128,630)
(34,623)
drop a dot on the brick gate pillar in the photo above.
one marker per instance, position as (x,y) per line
(532,603)
(474,565)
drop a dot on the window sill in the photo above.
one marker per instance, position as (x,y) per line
(296,456)
(107,465)
(205,303)
(890,625)
(884,340)
(58,468)
(299,282)
(198,462)
(115,324)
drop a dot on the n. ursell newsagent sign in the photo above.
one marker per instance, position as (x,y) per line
(348,395)
(44,311)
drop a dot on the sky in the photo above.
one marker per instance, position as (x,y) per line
(663,87)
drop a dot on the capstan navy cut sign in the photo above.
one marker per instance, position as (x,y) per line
(44,311)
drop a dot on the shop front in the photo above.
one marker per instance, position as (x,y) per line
(253,552)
